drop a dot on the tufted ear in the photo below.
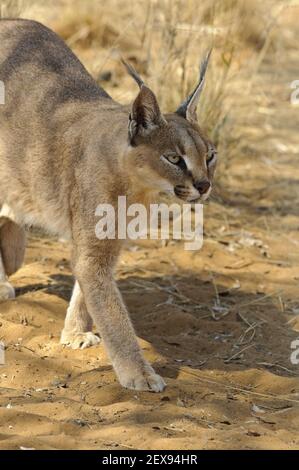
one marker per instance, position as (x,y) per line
(145,114)
(188,108)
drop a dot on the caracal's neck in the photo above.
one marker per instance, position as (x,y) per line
(104,126)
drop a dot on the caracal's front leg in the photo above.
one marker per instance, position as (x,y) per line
(77,332)
(109,313)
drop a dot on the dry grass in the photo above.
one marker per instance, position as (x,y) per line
(11,8)
(164,40)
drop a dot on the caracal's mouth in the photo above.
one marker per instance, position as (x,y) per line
(188,195)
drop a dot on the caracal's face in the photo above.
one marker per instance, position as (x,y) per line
(176,158)
(170,152)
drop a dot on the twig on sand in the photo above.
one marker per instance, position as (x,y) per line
(251,327)
(279,366)
(173,290)
(237,354)
(237,388)
(256,301)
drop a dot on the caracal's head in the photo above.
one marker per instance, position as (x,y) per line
(169,152)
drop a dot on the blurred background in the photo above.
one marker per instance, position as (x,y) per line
(220,324)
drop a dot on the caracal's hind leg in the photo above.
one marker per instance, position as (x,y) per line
(77,332)
(12,251)
(6,289)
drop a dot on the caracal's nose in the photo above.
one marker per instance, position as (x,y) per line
(202,186)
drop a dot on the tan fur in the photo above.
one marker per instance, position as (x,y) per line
(12,245)
(65,147)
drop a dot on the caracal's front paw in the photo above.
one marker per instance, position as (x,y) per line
(144,380)
(79,340)
(6,291)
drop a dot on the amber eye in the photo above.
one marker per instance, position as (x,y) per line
(174,159)
(210,157)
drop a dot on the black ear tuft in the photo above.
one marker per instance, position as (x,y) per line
(189,107)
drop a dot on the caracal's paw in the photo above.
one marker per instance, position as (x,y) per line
(146,380)
(6,291)
(79,340)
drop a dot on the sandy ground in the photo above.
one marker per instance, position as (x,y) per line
(218,324)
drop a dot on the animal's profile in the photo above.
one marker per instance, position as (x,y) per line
(65,147)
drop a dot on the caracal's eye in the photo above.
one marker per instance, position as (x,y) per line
(210,156)
(174,159)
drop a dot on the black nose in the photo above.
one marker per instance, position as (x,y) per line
(202,186)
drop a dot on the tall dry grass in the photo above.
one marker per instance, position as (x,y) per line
(164,39)
(11,8)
